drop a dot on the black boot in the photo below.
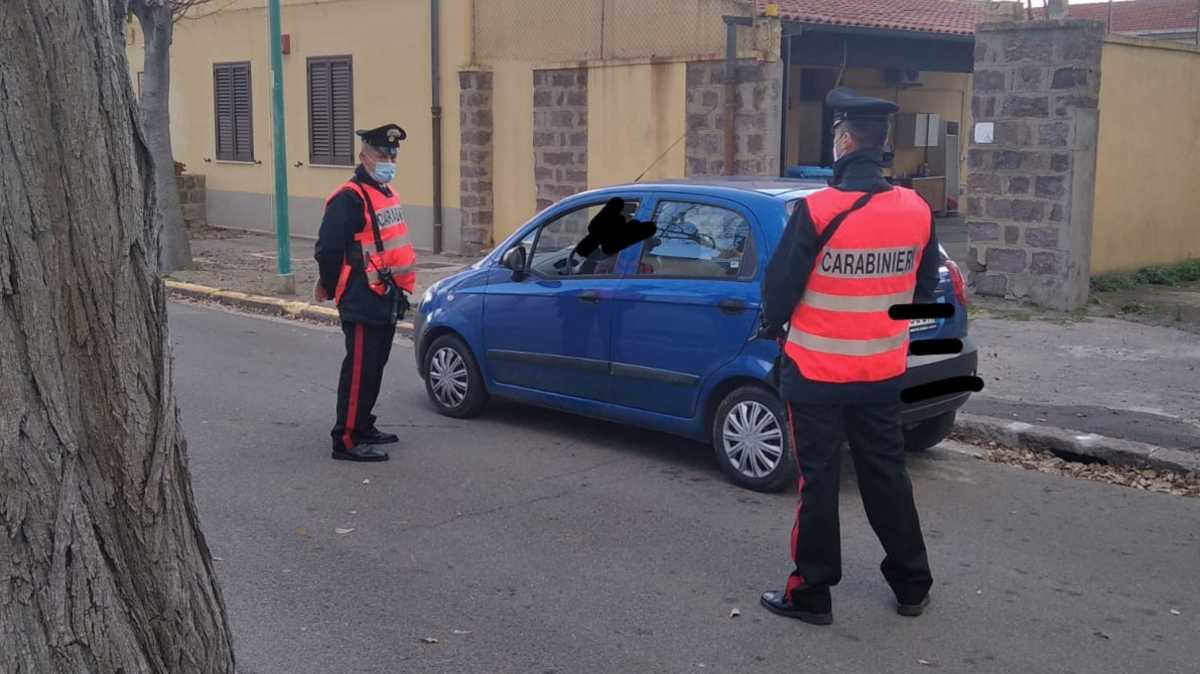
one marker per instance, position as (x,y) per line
(912,610)
(813,606)
(358,453)
(374,436)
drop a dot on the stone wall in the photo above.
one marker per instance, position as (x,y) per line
(756,119)
(192,199)
(560,139)
(1030,191)
(475,160)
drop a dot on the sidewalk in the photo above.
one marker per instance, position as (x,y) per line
(245,262)
(1092,374)
(1081,382)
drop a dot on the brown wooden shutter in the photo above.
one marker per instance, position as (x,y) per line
(320,134)
(342,85)
(233,112)
(330,111)
(243,123)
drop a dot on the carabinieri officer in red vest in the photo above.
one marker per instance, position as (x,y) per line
(849,253)
(366,262)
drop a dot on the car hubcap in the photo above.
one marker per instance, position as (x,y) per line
(448,374)
(753,439)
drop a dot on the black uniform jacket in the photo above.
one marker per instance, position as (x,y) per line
(335,242)
(788,272)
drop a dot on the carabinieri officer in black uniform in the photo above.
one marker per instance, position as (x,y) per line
(366,267)
(850,252)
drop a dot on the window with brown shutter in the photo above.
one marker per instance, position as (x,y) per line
(331,111)
(231,102)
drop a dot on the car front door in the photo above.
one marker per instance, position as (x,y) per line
(547,328)
(688,305)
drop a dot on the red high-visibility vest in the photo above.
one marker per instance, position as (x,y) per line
(398,255)
(840,331)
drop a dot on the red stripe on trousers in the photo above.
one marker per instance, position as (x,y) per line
(355,385)
(800,484)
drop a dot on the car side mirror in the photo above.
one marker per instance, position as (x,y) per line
(514,259)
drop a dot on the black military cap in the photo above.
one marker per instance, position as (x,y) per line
(848,105)
(386,137)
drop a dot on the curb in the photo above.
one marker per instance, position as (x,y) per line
(263,304)
(1018,435)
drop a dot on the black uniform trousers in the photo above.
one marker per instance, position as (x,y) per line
(368,346)
(877,447)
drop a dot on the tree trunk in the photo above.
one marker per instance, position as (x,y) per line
(155,18)
(103,567)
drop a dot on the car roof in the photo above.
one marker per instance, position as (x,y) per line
(783,189)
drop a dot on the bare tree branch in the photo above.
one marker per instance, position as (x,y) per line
(181,8)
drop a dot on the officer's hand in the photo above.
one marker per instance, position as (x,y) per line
(319,293)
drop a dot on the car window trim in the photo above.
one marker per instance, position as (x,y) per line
(717,202)
(563,212)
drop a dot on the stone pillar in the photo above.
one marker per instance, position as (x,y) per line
(1030,191)
(756,122)
(560,136)
(475,159)
(192,200)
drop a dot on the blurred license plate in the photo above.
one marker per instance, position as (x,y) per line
(922,324)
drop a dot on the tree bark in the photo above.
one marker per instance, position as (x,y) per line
(155,18)
(103,567)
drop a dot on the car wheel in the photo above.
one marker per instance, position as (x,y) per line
(453,380)
(751,439)
(928,433)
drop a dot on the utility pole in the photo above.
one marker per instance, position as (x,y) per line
(283,255)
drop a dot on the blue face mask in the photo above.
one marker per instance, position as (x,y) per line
(384,172)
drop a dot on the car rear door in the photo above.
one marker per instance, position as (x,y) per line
(688,304)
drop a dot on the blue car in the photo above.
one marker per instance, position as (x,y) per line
(660,334)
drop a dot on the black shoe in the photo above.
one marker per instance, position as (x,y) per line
(814,610)
(358,453)
(912,610)
(375,436)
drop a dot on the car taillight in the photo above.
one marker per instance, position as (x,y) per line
(960,283)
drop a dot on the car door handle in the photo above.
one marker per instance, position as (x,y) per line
(590,296)
(732,306)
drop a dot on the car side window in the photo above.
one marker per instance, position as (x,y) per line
(696,240)
(553,244)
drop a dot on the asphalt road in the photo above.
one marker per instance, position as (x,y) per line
(529,541)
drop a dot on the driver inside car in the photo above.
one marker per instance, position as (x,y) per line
(612,230)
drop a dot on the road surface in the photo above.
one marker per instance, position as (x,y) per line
(530,541)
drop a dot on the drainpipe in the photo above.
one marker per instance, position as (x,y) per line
(787,104)
(731,24)
(436,110)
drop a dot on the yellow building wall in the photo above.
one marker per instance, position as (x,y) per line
(626,131)
(1147,204)
(389,43)
(636,113)
(514,192)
